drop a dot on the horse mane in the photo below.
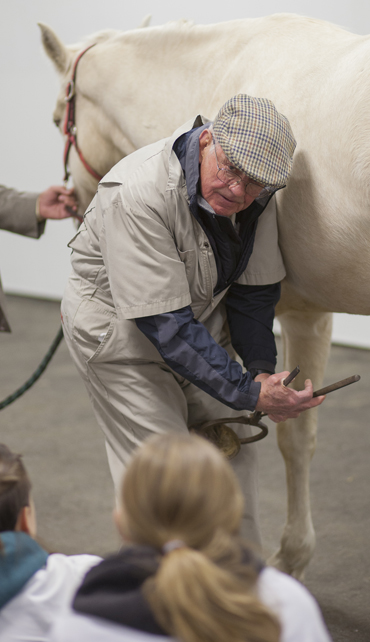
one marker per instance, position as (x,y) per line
(98,36)
(109,34)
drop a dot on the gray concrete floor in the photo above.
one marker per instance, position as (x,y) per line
(54,427)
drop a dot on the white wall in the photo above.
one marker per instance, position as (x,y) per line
(31,147)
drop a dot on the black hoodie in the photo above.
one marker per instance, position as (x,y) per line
(112,589)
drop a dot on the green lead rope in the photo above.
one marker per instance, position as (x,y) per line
(38,372)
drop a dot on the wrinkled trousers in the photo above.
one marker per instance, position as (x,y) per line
(133,399)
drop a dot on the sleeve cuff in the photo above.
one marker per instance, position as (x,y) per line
(40,219)
(254,391)
(264,366)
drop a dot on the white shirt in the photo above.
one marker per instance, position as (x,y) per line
(298,612)
(296,609)
(28,616)
(73,627)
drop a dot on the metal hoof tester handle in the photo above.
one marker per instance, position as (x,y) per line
(224,437)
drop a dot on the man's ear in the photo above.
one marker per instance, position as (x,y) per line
(25,521)
(205,139)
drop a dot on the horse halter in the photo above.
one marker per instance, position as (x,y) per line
(69,127)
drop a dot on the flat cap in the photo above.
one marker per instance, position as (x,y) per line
(256,138)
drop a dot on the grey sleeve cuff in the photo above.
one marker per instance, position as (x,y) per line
(254,391)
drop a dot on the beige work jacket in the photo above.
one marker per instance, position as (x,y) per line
(141,251)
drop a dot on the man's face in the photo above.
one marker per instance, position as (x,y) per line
(223,199)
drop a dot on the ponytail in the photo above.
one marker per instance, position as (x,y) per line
(196,600)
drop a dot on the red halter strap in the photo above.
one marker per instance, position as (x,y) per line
(69,127)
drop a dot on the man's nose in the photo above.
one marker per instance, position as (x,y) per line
(239,190)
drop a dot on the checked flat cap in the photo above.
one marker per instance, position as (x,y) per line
(256,138)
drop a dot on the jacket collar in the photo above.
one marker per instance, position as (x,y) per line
(20,559)
(175,168)
(231,250)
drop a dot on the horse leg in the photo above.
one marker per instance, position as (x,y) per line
(306,341)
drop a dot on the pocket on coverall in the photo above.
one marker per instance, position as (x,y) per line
(92,328)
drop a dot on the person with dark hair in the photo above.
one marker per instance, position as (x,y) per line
(34,586)
(184,570)
(25,213)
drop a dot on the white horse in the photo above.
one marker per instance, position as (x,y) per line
(135,87)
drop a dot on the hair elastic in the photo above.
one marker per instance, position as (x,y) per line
(172,545)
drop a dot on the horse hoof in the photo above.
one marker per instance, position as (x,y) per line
(277,561)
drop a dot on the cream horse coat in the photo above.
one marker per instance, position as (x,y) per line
(136,87)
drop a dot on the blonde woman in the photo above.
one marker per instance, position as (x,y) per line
(184,571)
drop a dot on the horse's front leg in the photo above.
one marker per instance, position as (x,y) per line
(306,341)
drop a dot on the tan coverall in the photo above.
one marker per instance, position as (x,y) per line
(140,252)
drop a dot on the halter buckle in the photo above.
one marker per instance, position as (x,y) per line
(70,91)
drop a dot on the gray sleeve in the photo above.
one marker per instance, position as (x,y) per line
(188,348)
(18,212)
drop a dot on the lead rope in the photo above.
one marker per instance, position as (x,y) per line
(38,372)
(70,132)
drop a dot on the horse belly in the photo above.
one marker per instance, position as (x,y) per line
(323,214)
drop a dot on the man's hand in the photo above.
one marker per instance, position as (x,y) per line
(280,402)
(57,202)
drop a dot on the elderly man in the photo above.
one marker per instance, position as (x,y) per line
(177,265)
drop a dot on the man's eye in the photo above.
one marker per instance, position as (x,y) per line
(234,172)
